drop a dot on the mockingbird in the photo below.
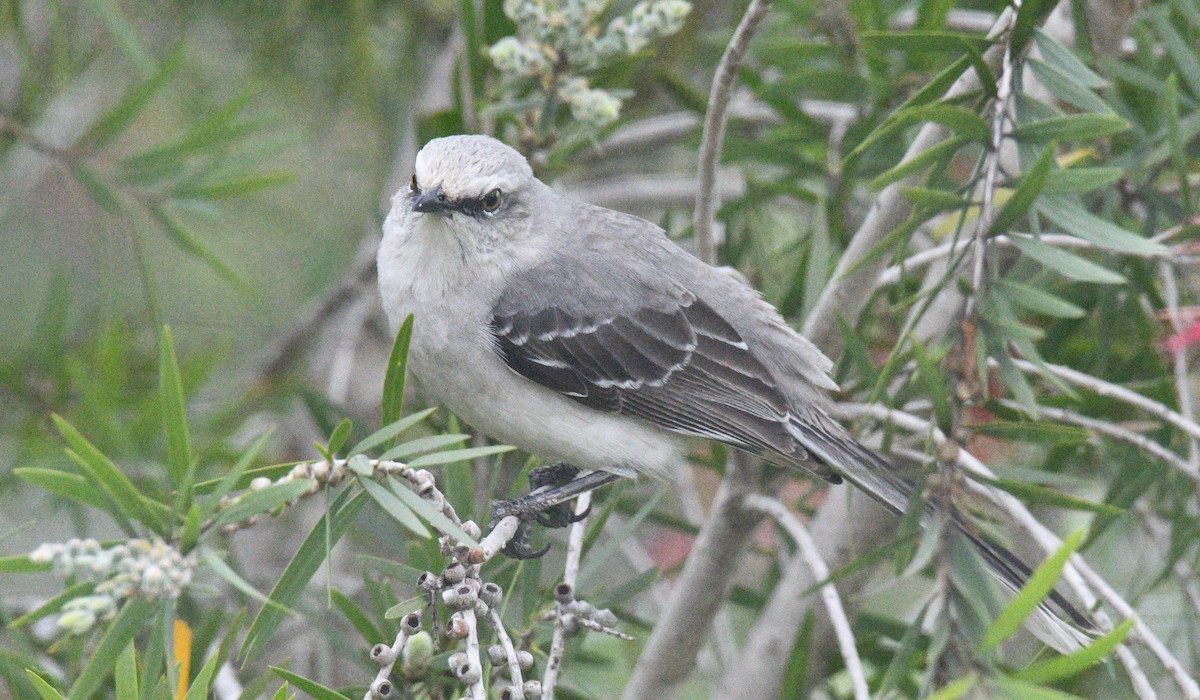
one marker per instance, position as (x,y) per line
(586,336)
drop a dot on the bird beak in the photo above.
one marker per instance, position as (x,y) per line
(432,201)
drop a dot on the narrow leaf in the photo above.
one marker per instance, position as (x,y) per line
(316,690)
(1082,660)
(1064,60)
(231,478)
(337,439)
(173,412)
(1068,264)
(954,689)
(963,121)
(118,118)
(123,33)
(126,674)
(115,484)
(300,570)
(1029,189)
(72,486)
(452,456)
(255,502)
(393,381)
(97,188)
(918,163)
(44,689)
(53,605)
(388,432)
(1077,221)
(1073,180)
(424,444)
(203,681)
(189,244)
(1037,300)
(426,510)
(395,508)
(1072,127)
(121,630)
(1039,585)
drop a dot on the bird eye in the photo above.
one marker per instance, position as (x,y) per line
(491,201)
(412,183)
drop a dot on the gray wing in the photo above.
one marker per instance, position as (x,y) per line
(667,358)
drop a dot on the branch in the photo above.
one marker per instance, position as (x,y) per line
(558,641)
(810,554)
(670,652)
(714,125)
(1183,382)
(843,295)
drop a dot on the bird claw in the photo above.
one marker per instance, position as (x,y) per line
(529,509)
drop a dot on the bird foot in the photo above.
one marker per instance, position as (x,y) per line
(548,504)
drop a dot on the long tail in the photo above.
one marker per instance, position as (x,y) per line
(829,443)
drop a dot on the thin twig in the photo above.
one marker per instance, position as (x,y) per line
(510,653)
(1114,391)
(1059,240)
(991,177)
(833,603)
(714,125)
(1116,432)
(558,641)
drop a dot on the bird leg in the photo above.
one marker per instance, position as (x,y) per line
(552,488)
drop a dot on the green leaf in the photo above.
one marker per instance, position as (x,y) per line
(954,689)
(395,508)
(234,187)
(358,619)
(118,118)
(1067,90)
(424,444)
(1029,189)
(1077,221)
(316,690)
(1028,14)
(337,440)
(963,121)
(173,412)
(1068,264)
(1013,689)
(1071,127)
(203,681)
(233,578)
(924,41)
(232,477)
(1064,60)
(54,604)
(393,380)
(1082,660)
(390,431)
(121,630)
(1181,51)
(72,486)
(255,502)
(1038,300)
(1074,180)
(300,570)
(191,529)
(1034,494)
(120,490)
(432,515)
(1179,156)
(123,33)
(126,674)
(96,187)
(452,456)
(918,163)
(1039,585)
(189,244)
(44,689)
(934,200)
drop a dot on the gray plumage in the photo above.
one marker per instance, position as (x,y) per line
(586,336)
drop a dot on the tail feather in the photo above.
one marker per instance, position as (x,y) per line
(1057,622)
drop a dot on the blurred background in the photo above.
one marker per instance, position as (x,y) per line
(224,168)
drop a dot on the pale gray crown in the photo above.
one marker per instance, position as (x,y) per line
(471,165)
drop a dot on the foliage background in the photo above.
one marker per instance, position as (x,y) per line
(240,203)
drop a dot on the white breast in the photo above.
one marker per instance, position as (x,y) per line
(453,359)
